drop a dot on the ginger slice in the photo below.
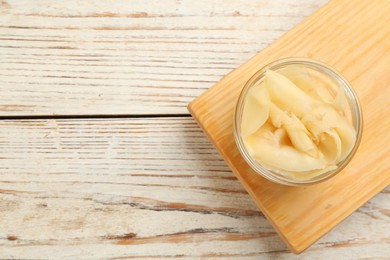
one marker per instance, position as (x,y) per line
(256,109)
(286,95)
(267,148)
(302,79)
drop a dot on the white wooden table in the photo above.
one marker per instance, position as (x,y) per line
(99,157)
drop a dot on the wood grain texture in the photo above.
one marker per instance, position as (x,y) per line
(133,188)
(144,188)
(128,57)
(353,37)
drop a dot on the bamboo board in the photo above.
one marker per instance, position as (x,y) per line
(354,38)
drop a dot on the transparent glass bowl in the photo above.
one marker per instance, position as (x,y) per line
(333,81)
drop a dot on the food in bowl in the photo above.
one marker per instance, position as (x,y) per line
(296,122)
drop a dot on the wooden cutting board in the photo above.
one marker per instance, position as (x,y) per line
(354,38)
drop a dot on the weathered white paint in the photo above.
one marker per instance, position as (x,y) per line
(128,57)
(143,187)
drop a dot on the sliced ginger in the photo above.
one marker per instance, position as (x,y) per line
(294,126)
(256,109)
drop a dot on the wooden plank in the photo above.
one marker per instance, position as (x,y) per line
(128,57)
(353,37)
(152,188)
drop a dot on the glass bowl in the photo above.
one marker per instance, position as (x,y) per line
(333,81)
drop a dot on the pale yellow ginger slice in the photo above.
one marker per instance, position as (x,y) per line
(314,126)
(256,109)
(287,95)
(269,150)
(325,136)
(330,146)
(329,118)
(340,101)
(301,78)
(276,115)
(297,132)
(281,137)
(299,135)
(322,93)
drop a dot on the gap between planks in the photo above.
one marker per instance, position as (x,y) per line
(109,116)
